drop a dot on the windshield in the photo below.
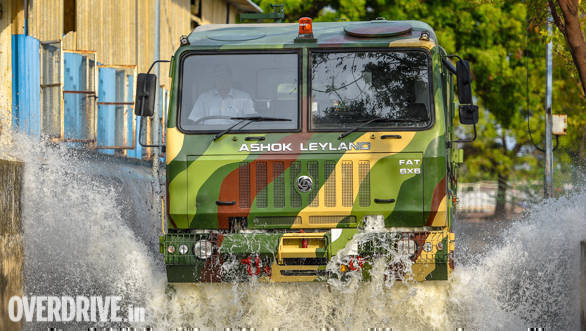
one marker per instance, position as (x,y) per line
(388,88)
(221,86)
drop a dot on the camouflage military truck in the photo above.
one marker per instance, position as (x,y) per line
(285,143)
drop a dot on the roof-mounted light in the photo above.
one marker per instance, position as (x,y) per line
(305,30)
(305,27)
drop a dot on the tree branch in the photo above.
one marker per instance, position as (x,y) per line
(574,37)
(556,17)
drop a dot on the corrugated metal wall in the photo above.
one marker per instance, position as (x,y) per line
(121,32)
(45,19)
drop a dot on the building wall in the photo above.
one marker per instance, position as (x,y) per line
(103,35)
(121,32)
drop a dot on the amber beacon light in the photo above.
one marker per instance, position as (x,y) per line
(305,28)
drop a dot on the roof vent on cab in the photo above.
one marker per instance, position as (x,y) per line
(377,29)
(233,35)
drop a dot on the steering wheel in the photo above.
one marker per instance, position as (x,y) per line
(213,117)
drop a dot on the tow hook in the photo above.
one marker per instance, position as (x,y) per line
(360,261)
(248,261)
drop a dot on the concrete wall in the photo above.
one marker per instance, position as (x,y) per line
(11,248)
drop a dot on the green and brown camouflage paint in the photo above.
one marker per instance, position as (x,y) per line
(202,172)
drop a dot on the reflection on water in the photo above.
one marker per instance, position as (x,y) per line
(89,231)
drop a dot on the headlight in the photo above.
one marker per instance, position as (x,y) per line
(203,249)
(183,249)
(171,249)
(406,246)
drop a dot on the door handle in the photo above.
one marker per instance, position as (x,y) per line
(384,200)
(254,138)
(225,203)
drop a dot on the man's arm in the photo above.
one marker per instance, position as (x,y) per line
(200,108)
(247,104)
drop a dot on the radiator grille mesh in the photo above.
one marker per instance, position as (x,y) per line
(272,184)
(313,170)
(261,184)
(244,185)
(279,185)
(330,183)
(331,219)
(364,180)
(294,172)
(347,184)
(277,220)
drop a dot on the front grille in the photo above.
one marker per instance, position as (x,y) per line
(303,272)
(313,170)
(279,185)
(347,184)
(273,184)
(262,200)
(330,185)
(364,180)
(244,185)
(294,171)
(332,219)
(276,220)
(306,261)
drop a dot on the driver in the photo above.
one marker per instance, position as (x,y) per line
(223,100)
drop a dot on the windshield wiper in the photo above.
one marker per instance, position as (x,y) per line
(250,119)
(356,128)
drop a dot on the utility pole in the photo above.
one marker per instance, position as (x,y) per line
(156,131)
(548,180)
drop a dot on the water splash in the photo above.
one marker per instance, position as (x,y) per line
(82,238)
(80,224)
(529,274)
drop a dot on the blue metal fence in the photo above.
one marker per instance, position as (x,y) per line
(116,127)
(69,111)
(79,97)
(106,115)
(26,88)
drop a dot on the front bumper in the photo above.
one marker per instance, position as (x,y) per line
(311,256)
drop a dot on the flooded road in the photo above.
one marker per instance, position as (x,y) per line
(90,229)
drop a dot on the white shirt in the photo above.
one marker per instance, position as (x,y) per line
(211,103)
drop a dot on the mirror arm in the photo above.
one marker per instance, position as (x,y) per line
(466,140)
(454,55)
(449,65)
(142,107)
(459,58)
(155,62)
(141,129)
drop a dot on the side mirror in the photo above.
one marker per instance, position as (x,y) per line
(146,90)
(464,82)
(468,114)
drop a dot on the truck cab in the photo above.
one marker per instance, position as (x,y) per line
(310,151)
